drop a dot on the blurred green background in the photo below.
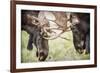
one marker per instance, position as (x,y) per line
(59,49)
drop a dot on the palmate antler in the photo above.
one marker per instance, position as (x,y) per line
(60,22)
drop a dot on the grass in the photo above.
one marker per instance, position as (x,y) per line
(59,49)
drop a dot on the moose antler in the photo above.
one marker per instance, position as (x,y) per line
(60,21)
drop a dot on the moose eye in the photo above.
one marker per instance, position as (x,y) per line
(34,21)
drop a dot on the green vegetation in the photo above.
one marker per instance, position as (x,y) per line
(59,49)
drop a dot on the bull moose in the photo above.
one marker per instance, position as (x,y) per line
(81,33)
(29,24)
